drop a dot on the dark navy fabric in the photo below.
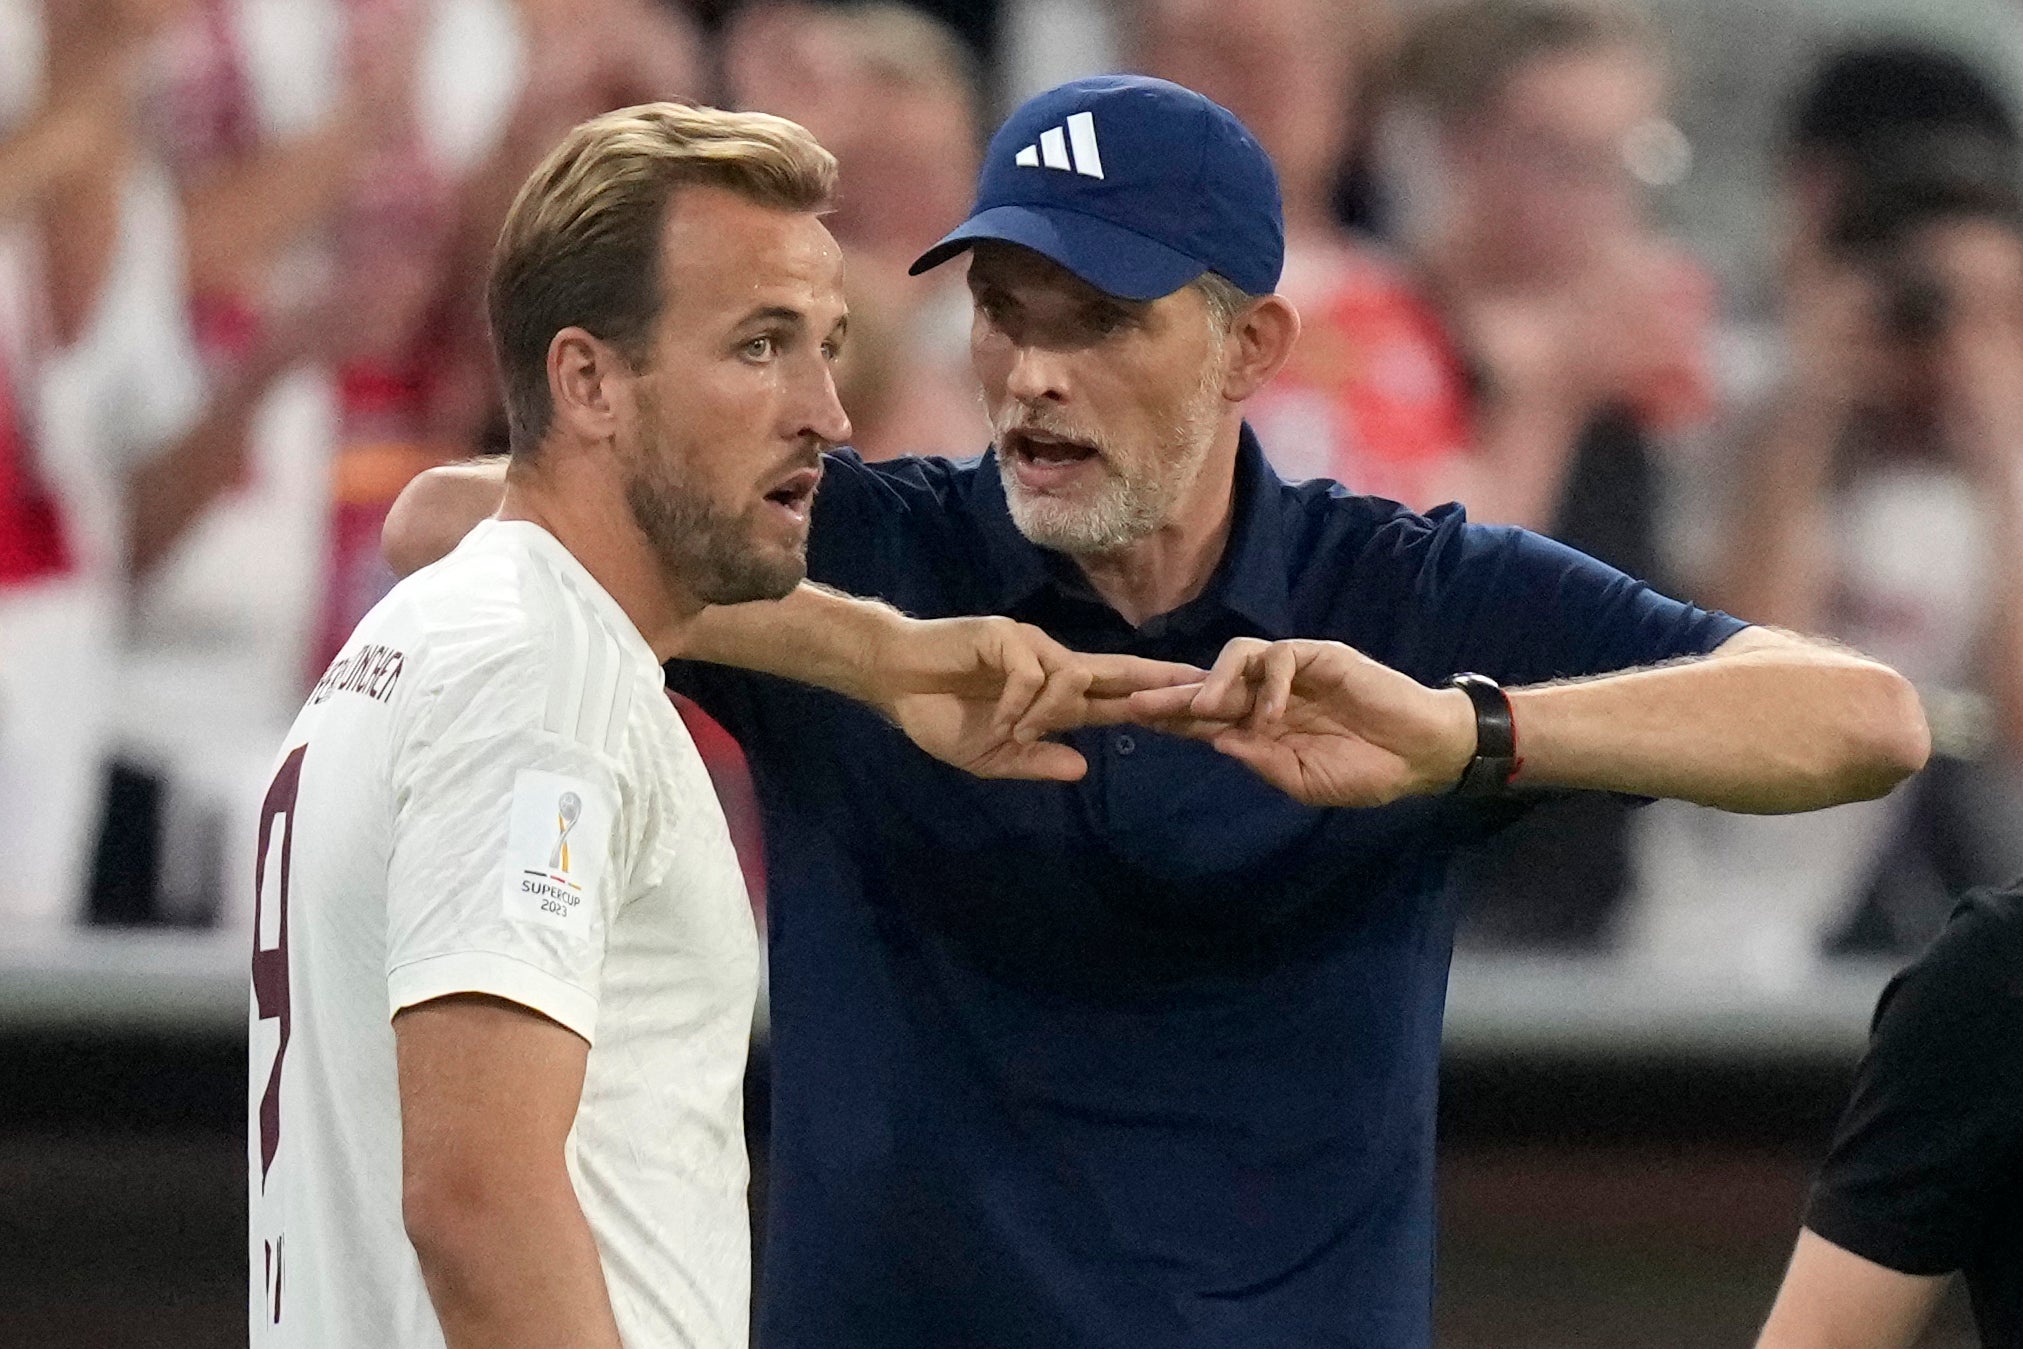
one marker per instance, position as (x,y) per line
(1178,187)
(1146,1061)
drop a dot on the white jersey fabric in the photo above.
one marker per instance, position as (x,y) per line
(489,792)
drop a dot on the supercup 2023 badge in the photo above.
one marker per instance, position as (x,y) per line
(557,829)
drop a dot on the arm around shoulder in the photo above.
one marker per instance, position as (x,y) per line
(434,511)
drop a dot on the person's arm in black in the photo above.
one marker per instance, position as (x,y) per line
(1832,1298)
(1934,1125)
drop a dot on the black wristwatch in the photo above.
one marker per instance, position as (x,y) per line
(1495,761)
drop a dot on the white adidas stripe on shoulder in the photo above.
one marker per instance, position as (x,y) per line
(591,683)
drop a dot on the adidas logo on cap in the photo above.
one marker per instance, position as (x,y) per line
(1079,134)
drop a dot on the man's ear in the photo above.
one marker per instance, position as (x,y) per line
(1260,340)
(585,384)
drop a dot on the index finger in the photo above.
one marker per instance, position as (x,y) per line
(1119,676)
(1058,706)
(1227,692)
(1025,678)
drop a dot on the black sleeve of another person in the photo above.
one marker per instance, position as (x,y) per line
(1925,1159)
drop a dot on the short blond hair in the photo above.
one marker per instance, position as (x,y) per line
(581,244)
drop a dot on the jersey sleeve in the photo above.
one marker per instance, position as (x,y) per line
(1525,609)
(1935,1122)
(509,846)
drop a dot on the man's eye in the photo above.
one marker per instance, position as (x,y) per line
(759,348)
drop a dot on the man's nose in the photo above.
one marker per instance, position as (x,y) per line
(823,416)
(1036,375)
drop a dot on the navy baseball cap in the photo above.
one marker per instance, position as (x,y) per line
(1136,185)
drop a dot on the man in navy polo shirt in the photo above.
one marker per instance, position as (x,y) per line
(1147,1059)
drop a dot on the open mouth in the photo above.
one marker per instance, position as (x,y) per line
(795,494)
(1044,460)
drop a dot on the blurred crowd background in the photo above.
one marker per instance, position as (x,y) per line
(1728,293)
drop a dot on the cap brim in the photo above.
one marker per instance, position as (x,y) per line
(1114,260)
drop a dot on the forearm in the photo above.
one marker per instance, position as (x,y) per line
(1835,1299)
(815,635)
(434,512)
(1772,727)
(516,1267)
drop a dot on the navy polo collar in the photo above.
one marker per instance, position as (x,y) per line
(1251,581)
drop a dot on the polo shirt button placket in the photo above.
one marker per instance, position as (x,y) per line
(1126,744)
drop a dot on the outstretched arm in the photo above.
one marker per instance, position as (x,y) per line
(956,686)
(1768,724)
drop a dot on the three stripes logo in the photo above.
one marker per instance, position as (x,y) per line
(1055,144)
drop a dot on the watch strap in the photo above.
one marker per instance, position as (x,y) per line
(1495,761)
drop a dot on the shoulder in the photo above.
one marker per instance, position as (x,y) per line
(1971,976)
(504,640)
(910,483)
(1329,526)
(877,522)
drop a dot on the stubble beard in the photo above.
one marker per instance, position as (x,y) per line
(1141,490)
(703,550)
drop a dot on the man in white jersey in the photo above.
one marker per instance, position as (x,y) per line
(489,826)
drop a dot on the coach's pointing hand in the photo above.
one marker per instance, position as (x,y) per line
(980,693)
(1322,722)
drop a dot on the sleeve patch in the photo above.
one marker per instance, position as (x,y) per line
(558,845)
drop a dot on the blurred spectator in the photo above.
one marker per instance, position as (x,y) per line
(1567,336)
(1883,502)
(1868,491)
(317,147)
(1863,105)
(96,373)
(1541,130)
(894,95)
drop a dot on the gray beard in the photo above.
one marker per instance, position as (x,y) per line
(1130,505)
(1122,512)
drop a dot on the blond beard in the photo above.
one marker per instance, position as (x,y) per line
(1135,499)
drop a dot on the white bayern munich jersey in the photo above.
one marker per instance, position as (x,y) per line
(489,792)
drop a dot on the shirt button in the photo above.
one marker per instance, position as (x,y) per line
(1126,744)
